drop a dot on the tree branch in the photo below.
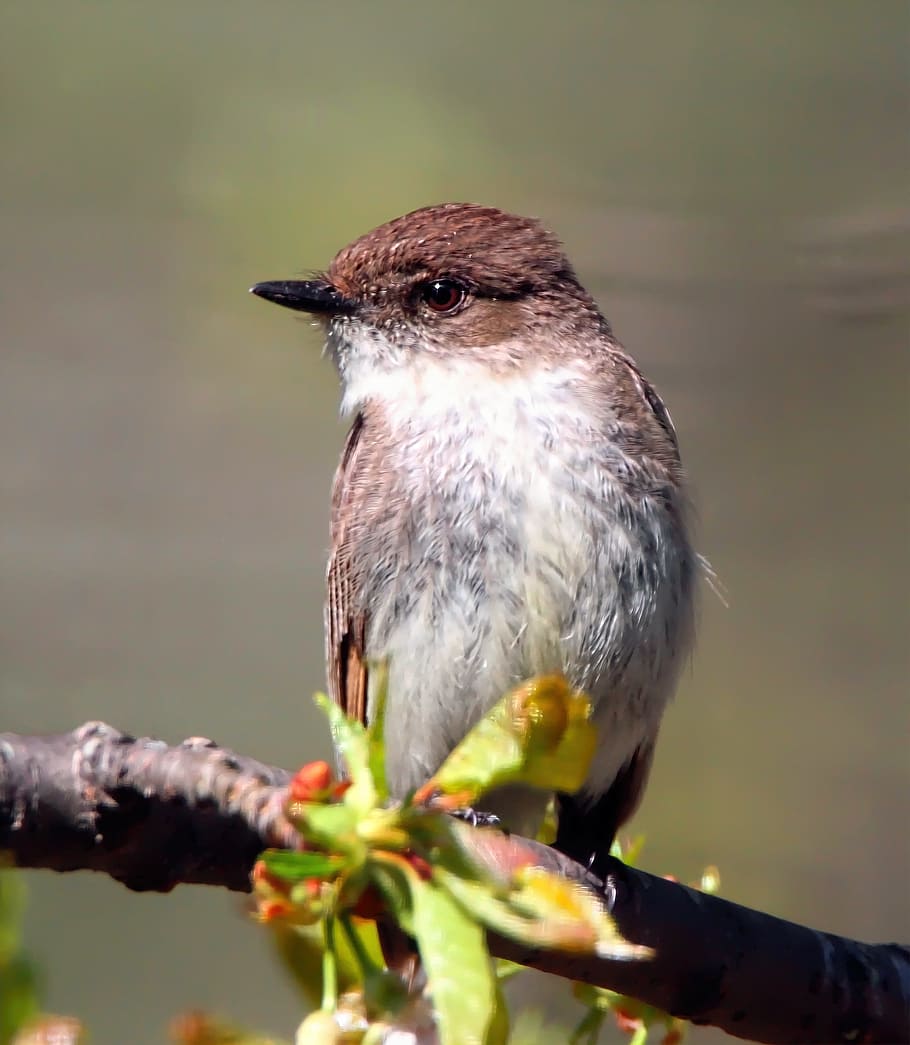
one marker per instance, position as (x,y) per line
(150,815)
(154,816)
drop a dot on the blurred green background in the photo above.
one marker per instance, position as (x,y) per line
(731,181)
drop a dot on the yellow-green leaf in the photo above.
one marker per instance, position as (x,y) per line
(294,866)
(352,744)
(539,734)
(542,910)
(459,970)
(379,676)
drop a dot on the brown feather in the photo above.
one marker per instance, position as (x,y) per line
(345,625)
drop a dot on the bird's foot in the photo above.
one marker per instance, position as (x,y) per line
(475,817)
(599,866)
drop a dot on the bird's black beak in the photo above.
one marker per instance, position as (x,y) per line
(316,296)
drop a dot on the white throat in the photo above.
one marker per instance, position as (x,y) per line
(412,387)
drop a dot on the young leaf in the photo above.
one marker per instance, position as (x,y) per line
(542,910)
(294,866)
(301,947)
(379,673)
(388,877)
(18,976)
(331,827)
(538,734)
(351,742)
(565,910)
(460,974)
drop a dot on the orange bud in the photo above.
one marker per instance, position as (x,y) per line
(263,879)
(272,910)
(311,782)
(626,1021)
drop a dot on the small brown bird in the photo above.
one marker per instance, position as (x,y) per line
(510,502)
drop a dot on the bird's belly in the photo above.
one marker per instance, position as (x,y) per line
(548,574)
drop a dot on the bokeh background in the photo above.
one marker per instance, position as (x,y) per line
(731,181)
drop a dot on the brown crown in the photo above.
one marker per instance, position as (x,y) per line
(493,252)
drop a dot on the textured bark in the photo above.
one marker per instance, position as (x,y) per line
(148,814)
(154,816)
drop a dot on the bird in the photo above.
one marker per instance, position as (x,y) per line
(510,502)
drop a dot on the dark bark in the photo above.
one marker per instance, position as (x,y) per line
(154,816)
(148,814)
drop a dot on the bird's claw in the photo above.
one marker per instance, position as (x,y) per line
(476,818)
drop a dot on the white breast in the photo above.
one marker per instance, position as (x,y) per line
(523,543)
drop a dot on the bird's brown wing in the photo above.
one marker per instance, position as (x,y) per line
(643,401)
(345,620)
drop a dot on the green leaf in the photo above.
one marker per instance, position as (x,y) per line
(331,827)
(19,1001)
(379,676)
(384,993)
(629,852)
(539,734)
(587,1032)
(498,1032)
(18,996)
(459,971)
(390,880)
(330,986)
(12,912)
(301,949)
(540,909)
(349,736)
(352,744)
(507,970)
(294,867)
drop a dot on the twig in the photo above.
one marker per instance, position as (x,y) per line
(154,816)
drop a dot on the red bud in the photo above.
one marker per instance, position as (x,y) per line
(311,782)
(271,910)
(420,865)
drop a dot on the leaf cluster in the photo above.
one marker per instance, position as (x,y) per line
(364,856)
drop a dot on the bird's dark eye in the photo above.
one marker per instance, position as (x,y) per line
(443,295)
